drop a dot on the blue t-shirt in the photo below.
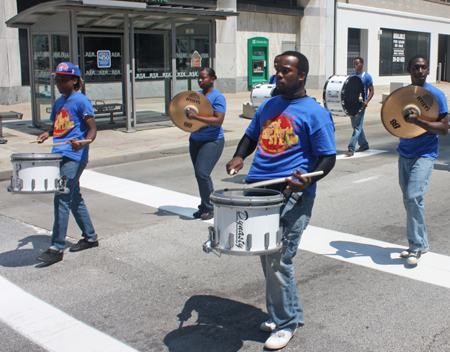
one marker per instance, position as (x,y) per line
(291,135)
(425,145)
(367,81)
(273,79)
(68,117)
(209,133)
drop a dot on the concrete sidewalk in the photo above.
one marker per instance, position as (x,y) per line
(113,146)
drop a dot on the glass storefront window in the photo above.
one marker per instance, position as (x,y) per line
(102,58)
(149,55)
(397,47)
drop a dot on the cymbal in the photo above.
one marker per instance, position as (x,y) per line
(399,102)
(194,101)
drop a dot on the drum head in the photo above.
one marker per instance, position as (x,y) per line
(35,156)
(255,197)
(392,111)
(353,95)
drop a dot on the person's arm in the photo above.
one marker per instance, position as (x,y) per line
(76,144)
(245,148)
(215,120)
(439,127)
(44,136)
(325,164)
(370,95)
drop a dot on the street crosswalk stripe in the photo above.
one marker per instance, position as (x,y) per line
(383,256)
(360,154)
(48,326)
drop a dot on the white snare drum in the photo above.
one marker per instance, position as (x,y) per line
(36,173)
(260,93)
(343,95)
(246,222)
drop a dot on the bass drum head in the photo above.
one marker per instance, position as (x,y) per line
(343,95)
(260,93)
(351,93)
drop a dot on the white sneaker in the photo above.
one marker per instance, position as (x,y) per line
(414,257)
(279,339)
(268,326)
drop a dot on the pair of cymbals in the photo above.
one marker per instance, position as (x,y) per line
(398,104)
(195,101)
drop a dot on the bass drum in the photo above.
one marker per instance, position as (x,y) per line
(343,95)
(260,93)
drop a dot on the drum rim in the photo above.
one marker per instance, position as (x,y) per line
(35,156)
(273,198)
(248,253)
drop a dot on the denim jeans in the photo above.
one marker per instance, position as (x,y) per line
(71,202)
(204,156)
(413,177)
(358,132)
(282,301)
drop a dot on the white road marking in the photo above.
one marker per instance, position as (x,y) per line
(433,268)
(360,154)
(367,179)
(49,327)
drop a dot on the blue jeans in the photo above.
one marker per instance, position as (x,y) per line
(413,177)
(204,156)
(282,301)
(358,132)
(71,202)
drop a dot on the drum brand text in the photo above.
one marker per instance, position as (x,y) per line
(395,123)
(193,100)
(187,124)
(423,103)
(241,216)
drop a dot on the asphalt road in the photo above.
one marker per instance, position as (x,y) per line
(149,286)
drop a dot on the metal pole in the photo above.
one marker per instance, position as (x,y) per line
(126,80)
(174,60)
(439,72)
(133,74)
(34,114)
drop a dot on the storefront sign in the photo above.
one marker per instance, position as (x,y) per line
(398,41)
(103,59)
(196,59)
(156,75)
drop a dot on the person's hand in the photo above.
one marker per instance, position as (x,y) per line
(43,137)
(77,144)
(235,164)
(190,114)
(364,105)
(413,117)
(301,184)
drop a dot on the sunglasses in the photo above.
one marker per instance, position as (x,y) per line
(418,67)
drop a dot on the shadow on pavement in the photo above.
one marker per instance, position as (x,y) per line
(222,325)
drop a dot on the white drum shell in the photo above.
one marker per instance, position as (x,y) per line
(35,175)
(334,93)
(260,93)
(247,230)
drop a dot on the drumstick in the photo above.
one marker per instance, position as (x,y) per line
(279,180)
(232,170)
(35,141)
(66,142)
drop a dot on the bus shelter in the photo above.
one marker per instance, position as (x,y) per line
(133,56)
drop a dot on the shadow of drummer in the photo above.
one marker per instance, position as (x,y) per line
(21,256)
(222,325)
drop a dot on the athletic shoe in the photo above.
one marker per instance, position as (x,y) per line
(207,216)
(279,339)
(268,326)
(406,253)
(361,149)
(3,141)
(82,245)
(50,256)
(414,257)
(349,153)
(197,214)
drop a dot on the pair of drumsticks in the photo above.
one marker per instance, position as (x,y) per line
(60,143)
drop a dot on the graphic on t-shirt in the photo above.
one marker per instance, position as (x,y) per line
(278,134)
(63,123)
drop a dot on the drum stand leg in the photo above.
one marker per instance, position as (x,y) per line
(208,246)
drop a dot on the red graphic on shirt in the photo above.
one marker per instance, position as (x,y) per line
(278,134)
(63,123)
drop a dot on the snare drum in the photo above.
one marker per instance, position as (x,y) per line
(260,93)
(36,173)
(246,222)
(343,95)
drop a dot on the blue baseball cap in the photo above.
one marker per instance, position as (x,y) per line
(68,68)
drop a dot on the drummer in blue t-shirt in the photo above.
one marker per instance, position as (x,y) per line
(73,123)
(416,160)
(206,145)
(292,135)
